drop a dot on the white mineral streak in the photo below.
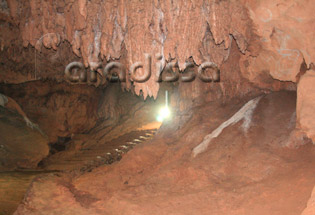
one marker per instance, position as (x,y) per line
(245,113)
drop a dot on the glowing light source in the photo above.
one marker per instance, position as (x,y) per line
(163,114)
(165,111)
(159,118)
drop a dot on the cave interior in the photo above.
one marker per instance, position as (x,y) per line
(157,107)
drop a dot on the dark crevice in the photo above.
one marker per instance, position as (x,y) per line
(60,145)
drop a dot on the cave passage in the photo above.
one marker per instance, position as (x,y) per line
(157,107)
(122,121)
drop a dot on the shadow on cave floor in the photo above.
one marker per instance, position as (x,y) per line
(77,155)
(85,159)
(14,184)
(105,144)
(250,172)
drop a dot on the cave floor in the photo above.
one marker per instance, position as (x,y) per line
(93,156)
(266,169)
(14,184)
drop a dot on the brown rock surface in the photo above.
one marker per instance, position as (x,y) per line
(259,46)
(238,174)
(13,186)
(60,109)
(100,31)
(310,209)
(286,32)
(305,110)
(20,146)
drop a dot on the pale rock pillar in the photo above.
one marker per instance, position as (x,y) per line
(305,109)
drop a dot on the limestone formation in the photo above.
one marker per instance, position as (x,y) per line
(306,104)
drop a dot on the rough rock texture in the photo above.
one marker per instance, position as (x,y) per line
(286,31)
(232,84)
(238,174)
(99,31)
(19,64)
(121,112)
(13,186)
(20,146)
(119,115)
(257,45)
(59,109)
(306,104)
(310,210)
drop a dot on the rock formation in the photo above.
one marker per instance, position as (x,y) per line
(60,110)
(20,146)
(306,104)
(276,32)
(285,35)
(255,48)
(240,173)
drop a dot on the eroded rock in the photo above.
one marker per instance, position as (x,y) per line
(306,104)
(273,36)
(20,146)
(285,36)
(240,173)
(99,31)
(60,109)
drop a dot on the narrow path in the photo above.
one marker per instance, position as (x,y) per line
(13,185)
(105,153)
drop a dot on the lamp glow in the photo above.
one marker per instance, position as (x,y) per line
(163,114)
(165,111)
(159,118)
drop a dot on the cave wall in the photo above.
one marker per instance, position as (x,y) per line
(269,43)
(265,31)
(306,104)
(20,146)
(60,110)
(286,31)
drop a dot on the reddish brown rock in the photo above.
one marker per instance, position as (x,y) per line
(310,209)
(240,173)
(100,31)
(105,30)
(286,36)
(305,110)
(61,110)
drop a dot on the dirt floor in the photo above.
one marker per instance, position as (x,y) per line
(14,184)
(87,158)
(266,170)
